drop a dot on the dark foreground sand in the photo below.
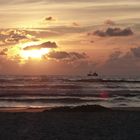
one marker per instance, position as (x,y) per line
(62,124)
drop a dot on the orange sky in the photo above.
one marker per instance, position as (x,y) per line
(69,37)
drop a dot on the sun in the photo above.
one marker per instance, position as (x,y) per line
(34,53)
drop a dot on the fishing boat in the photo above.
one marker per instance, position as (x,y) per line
(92,74)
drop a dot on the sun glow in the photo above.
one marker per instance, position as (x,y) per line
(35,54)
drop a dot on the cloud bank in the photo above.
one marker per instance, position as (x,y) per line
(112,32)
(14,36)
(43,45)
(120,63)
(63,55)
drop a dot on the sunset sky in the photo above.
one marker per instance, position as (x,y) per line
(70,37)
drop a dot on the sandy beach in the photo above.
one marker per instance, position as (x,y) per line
(96,123)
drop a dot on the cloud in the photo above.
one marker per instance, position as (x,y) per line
(64,63)
(4,51)
(136,51)
(75,24)
(50,18)
(14,36)
(120,63)
(70,56)
(114,56)
(112,32)
(43,45)
(45,1)
(109,22)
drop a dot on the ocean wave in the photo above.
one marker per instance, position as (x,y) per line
(62,90)
(62,100)
(107,80)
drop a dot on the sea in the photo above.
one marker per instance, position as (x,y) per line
(58,91)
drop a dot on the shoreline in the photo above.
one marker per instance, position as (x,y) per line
(83,108)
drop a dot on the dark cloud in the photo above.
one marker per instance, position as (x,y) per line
(120,63)
(50,18)
(11,37)
(15,38)
(132,54)
(109,22)
(4,51)
(43,45)
(115,55)
(113,32)
(75,24)
(59,55)
(62,55)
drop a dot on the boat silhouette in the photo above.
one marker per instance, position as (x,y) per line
(92,74)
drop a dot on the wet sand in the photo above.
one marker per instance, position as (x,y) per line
(83,123)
